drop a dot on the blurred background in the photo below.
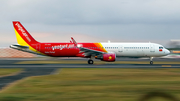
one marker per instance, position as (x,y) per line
(156,21)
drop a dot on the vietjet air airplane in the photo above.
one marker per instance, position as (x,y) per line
(103,51)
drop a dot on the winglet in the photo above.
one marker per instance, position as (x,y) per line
(73,41)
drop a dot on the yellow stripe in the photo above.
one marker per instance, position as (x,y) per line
(103,47)
(19,39)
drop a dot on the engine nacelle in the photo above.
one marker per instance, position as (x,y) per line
(109,57)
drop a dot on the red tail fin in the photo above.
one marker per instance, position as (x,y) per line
(23,36)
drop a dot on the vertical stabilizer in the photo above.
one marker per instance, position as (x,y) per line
(22,35)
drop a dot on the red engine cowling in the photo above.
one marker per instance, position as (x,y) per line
(110,57)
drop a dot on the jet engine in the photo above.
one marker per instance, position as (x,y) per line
(109,57)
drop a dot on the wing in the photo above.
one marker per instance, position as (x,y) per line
(90,52)
(86,51)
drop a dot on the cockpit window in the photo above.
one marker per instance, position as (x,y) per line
(160,47)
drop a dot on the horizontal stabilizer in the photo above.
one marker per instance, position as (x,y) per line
(23,48)
(20,46)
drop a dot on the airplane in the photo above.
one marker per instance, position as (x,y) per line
(103,51)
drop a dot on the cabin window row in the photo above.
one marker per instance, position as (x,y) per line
(58,47)
(136,47)
(84,47)
(100,47)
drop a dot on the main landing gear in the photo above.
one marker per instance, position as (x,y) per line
(151,60)
(90,61)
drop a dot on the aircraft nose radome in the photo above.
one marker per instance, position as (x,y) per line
(167,52)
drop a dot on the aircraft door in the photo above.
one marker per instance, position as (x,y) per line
(38,47)
(120,48)
(152,48)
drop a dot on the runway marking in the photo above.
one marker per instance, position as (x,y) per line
(166,65)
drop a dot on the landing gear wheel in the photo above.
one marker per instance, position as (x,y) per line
(151,62)
(90,61)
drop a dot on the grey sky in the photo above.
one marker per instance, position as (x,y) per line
(92,20)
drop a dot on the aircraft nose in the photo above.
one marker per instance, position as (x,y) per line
(167,52)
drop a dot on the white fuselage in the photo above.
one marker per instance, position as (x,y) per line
(136,49)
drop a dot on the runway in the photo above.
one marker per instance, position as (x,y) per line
(36,67)
(41,66)
(82,63)
(27,72)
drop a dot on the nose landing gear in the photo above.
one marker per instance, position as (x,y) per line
(151,60)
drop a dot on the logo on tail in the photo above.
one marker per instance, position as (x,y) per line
(22,35)
(23,31)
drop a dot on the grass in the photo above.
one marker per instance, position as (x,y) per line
(8,71)
(95,84)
